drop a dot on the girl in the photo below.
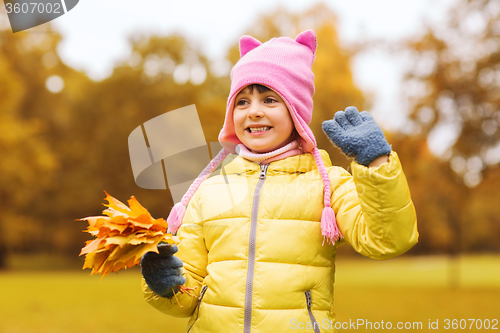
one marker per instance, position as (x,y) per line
(259,240)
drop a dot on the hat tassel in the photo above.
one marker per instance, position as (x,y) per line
(329,228)
(175,217)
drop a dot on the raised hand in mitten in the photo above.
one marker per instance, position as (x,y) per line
(357,135)
(163,271)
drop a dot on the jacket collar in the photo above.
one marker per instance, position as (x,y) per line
(235,164)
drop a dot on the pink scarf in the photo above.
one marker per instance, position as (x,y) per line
(288,150)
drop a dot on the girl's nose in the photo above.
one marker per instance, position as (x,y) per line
(255,111)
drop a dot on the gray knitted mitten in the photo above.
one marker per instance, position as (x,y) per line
(162,271)
(357,135)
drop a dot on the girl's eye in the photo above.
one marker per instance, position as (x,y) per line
(242,102)
(270,100)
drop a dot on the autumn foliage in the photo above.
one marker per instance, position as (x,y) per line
(123,236)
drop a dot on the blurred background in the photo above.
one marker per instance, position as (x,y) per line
(72,90)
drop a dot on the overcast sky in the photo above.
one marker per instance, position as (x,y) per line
(95,33)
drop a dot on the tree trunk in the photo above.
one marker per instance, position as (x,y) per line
(3,255)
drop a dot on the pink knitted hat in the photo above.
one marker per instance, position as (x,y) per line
(284,65)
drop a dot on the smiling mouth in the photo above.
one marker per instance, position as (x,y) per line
(258,129)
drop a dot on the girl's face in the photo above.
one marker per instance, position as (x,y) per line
(261,120)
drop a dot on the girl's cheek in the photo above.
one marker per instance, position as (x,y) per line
(237,120)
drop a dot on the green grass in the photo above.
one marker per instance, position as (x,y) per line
(418,289)
(398,290)
(426,271)
(73,302)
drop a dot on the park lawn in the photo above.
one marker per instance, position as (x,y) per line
(421,305)
(417,290)
(405,289)
(74,302)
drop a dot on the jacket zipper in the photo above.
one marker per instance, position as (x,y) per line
(200,297)
(251,249)
(309,309)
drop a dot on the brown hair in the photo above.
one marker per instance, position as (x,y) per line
(260,88)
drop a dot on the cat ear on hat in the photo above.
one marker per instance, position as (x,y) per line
(248,43)
(308,38)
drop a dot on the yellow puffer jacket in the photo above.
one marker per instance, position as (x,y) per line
(251,242)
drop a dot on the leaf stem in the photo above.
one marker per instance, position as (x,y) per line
(176,298)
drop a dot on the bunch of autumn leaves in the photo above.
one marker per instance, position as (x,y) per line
(122,236)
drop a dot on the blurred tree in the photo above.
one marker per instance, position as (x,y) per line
(482,225)
(452,218)
(453,87)
(453,91)
(335,88)
(28,164)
